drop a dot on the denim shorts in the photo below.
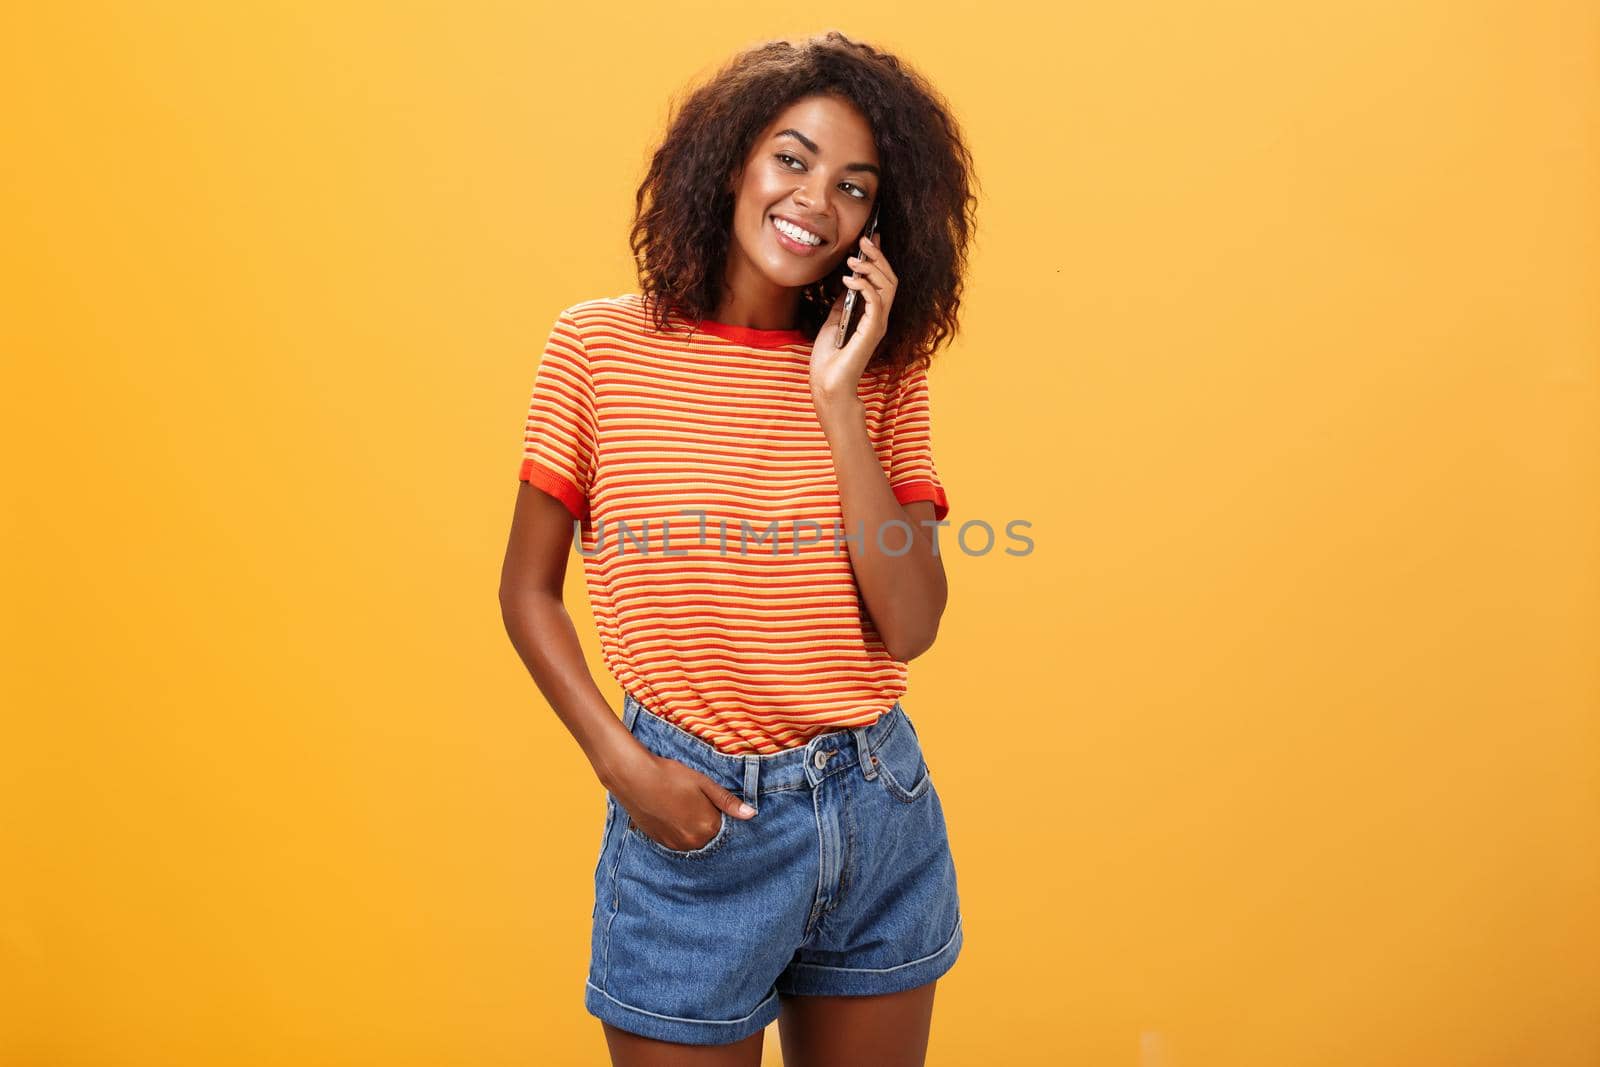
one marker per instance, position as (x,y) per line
(842,883)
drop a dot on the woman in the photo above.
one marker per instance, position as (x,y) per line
(757,511)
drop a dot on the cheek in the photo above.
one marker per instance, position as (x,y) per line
(752,208)
(755,215)
(755,219)
(764,190)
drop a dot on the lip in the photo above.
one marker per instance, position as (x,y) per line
(791,245)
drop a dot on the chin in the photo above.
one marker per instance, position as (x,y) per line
(780,278)
(792,281)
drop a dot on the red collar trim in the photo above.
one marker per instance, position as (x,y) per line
(749,335)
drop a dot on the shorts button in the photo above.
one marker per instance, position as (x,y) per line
(822,757)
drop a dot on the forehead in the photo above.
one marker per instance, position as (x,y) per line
(840,131)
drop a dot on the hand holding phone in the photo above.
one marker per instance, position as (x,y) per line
(850,296)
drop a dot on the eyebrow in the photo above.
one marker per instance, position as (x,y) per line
(812,147)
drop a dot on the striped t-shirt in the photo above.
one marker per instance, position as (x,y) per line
(743,626)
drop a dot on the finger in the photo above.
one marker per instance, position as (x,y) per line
(729,802)
(872,299)
(878,303)
(830,325)
(882,283)
(867,288)
(876,269)
(875,254)
(865,268)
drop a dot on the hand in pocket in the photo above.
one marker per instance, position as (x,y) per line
(676,806)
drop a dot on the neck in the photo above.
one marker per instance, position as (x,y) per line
(751,300)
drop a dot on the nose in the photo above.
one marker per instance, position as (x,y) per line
(810,194)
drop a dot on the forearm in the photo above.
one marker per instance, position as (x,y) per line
(544,636)
(901,578)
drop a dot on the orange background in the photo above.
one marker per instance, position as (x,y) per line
(1279,749)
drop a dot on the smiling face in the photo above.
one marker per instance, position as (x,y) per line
(815,167)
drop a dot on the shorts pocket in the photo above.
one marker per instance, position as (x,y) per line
(716,842)
(900,763)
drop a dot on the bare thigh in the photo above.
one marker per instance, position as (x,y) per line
(890,1030)
(631,1050)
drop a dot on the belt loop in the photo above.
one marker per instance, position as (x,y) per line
(864,752)
(752,770)
(630,711)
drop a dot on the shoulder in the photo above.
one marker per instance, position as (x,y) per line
(623,303)
(624,313)
(905,383)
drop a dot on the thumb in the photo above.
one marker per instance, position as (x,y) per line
(726,800)
(836,309)
(829,329)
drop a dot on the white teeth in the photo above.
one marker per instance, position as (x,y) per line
(791,230)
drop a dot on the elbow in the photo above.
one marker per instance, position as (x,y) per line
(512,611)
(907,647)
(518,601)
(522,583)
(906,643)
(510,600)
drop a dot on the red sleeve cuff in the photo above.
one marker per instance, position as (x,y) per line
(923,489)
(557,485)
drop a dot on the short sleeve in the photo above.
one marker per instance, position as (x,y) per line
(558,440)
(912,474)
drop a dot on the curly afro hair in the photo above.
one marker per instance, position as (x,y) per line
(681,228)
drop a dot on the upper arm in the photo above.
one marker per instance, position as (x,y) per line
(922,514)
(912,473)
(559,434)
(537,549)
(557,464)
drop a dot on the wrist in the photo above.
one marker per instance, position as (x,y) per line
(621,761)
(835,410)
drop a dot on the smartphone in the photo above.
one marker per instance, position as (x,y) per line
(850,295)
